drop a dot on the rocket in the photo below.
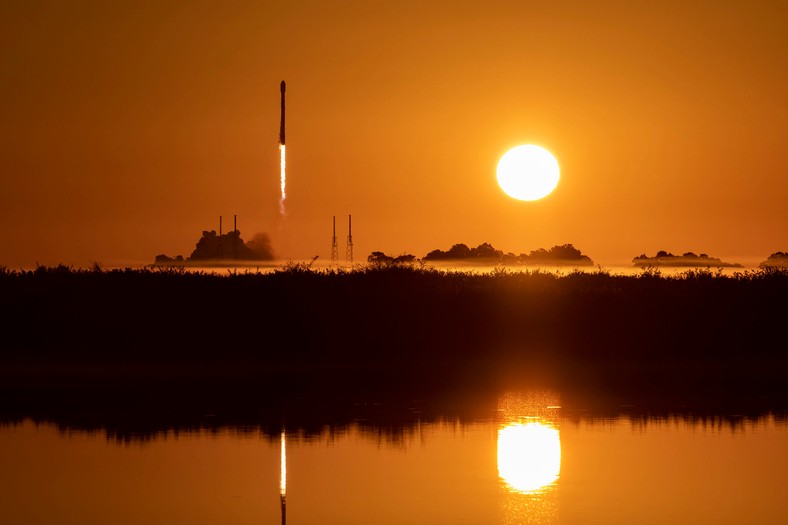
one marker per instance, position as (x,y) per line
(282,88)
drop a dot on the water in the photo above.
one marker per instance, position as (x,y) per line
(530,461)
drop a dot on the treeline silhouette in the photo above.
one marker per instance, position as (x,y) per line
(688,259)
(776,260)
(565,254)
(485,253)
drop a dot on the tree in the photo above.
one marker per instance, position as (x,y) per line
(379,259)
(458,251)
(486,250)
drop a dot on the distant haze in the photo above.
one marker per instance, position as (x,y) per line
(127,128)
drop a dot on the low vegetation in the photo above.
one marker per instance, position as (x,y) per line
(300,334)
(135,351)
(108,311)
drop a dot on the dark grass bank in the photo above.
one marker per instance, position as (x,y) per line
(170,339)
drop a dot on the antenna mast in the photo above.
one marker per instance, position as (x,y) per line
(219,246)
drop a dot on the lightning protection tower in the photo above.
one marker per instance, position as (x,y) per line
(334,248)
(219,252)
(235,236)
(349,250)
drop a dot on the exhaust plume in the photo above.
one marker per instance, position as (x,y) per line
(282,162)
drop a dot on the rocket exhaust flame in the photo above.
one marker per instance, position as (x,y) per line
(282,179)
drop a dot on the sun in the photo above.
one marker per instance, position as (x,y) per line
(528,172)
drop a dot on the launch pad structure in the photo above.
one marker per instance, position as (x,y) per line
(335,247)
(235,238)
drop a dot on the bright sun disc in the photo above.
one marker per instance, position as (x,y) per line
(528,172)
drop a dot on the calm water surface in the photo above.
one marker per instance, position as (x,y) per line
(527,463)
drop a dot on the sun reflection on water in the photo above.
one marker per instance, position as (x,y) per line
(529,456)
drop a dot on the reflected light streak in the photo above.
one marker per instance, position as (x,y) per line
(529,456)
(283,461)
(282,179)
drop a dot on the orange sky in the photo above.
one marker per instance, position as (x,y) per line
(127,128)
